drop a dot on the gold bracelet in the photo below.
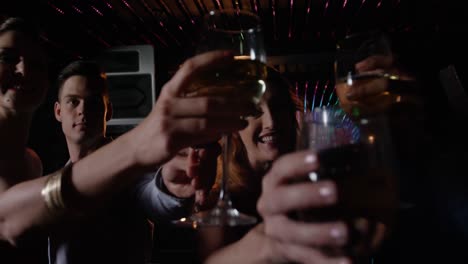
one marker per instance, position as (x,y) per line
(52,191)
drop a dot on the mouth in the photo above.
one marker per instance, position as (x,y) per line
(268,138)
(81,125)
(15,84)
(6,88)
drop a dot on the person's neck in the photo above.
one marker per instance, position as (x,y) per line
(79,150)
(14,133)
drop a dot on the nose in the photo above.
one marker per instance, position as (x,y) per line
(19,67)
(267,118)
(81,108)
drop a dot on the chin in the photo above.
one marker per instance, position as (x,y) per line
(271,155)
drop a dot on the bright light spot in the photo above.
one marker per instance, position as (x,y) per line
(325,117)
(393,77)
(253,54)
(349,79)
(313,176)
(263,86)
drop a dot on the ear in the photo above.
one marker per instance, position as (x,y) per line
(57,112)
(109,111)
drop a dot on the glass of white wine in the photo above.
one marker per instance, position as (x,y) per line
(244,78)
(373,81)
(376,84)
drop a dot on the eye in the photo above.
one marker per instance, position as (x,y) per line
(95,102)
(73,102)
(255,116)
(258,114)
(9,58)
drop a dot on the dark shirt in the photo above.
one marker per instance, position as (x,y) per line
(435,230)
(31,250)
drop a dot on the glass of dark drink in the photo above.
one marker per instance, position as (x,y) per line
(355,153)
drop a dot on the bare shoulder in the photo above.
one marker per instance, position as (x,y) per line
(19,169)
(34,164)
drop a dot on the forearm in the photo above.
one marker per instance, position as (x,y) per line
(93,180)
(22,209)
(104,172)
(251,249)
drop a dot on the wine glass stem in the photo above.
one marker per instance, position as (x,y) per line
(223,193)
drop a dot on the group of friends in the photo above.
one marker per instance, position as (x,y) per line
(96,208)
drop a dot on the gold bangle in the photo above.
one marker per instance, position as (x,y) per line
(52,191)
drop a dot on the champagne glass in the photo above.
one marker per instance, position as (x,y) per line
(240,32)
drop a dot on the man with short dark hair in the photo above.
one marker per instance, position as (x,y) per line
(119,230)
(29,203)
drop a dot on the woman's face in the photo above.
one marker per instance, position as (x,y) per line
(270,133)
(23,79)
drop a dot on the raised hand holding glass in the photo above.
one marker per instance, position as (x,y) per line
(238,32)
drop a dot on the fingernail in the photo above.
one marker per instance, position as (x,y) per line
(338,234)
(344,261)
(325,191)
(311,158)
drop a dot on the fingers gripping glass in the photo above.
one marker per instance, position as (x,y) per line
(243,78)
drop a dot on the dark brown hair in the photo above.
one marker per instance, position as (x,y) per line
(242,178)
(88,69)
(20,25)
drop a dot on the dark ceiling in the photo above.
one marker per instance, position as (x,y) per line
(82,28)
(429,32)
(303,30)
